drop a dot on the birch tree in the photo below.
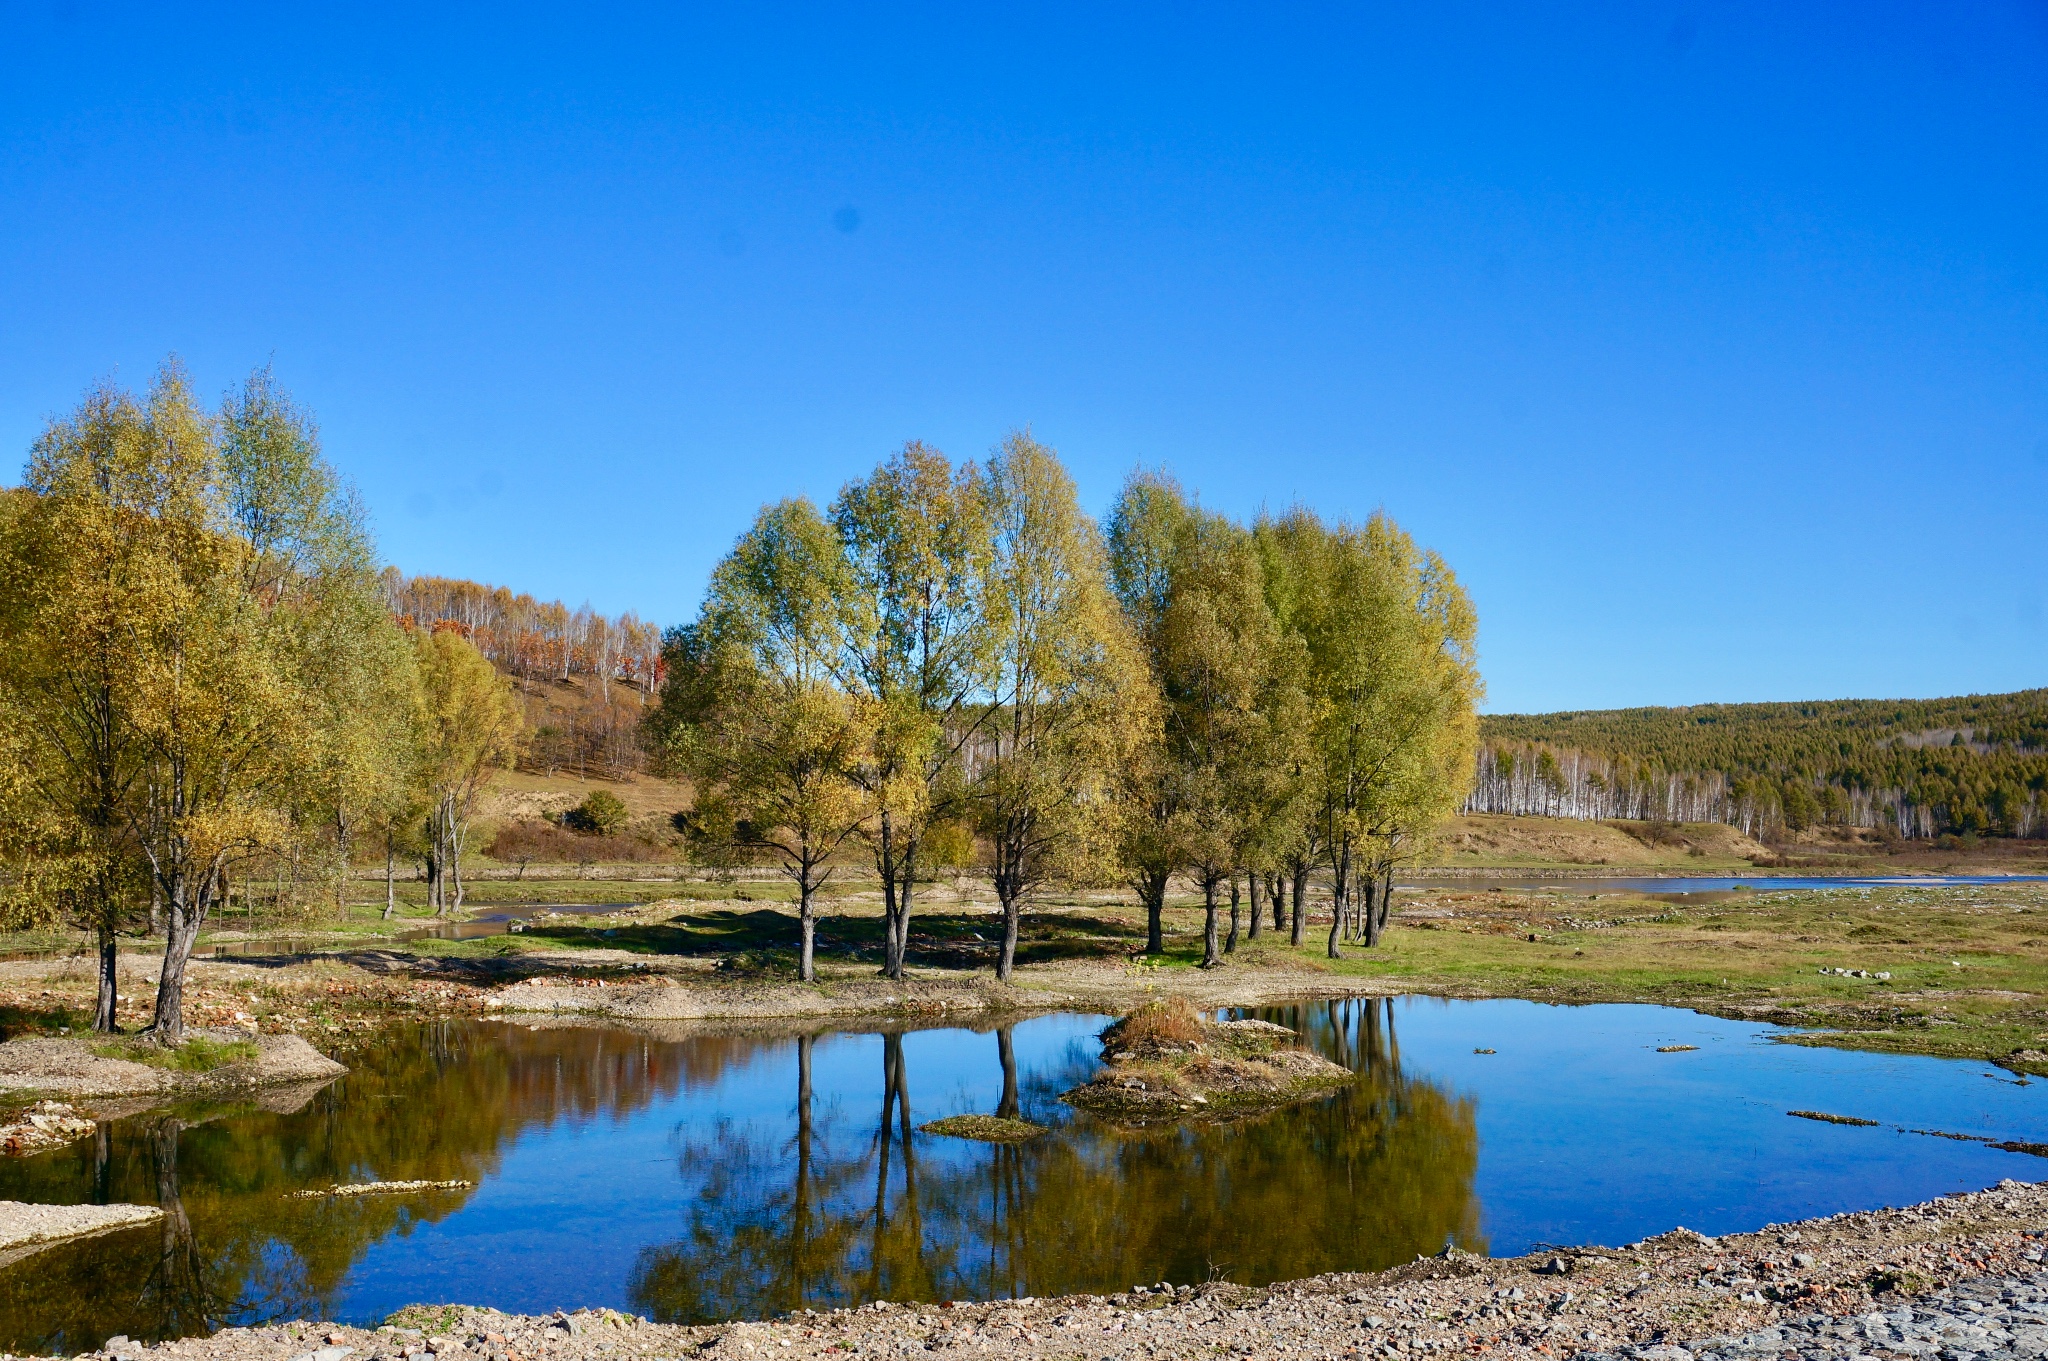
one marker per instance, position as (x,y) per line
(914,540)
(749,711)
(469,730)
(1073,695)
(174,572)
(1229,678)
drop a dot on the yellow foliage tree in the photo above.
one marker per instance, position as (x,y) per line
(170,678)
(469,730)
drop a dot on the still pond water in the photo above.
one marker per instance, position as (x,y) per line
(698,1176)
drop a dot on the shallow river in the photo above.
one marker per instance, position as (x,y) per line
(697,1176)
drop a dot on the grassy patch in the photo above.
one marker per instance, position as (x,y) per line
(19,1021)
(989,1129)
(431,1319)
(1968,966)
(198,1054)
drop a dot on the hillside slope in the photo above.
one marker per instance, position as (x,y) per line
(1973,764)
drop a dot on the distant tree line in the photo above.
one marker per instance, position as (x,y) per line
(1973,765)
(529,638)
(200,682)
(591,728)
(954,664)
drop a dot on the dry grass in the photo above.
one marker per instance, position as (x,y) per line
(547,843)
(1169,1022)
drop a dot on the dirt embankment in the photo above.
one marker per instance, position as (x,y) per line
(1667,1290)
(1072,986)
(81,1069)
(1688,848)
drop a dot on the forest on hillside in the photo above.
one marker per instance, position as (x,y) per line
(1970,765)
(583,678)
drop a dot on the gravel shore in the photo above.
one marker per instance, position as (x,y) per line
(1958,1277)
(25,1228)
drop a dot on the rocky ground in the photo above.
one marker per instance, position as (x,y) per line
(1958,1277)
(25,1228)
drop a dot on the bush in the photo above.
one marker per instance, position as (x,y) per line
(1168,1021)
(602,813)
(520,842)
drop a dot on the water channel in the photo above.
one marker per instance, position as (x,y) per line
(694,1173)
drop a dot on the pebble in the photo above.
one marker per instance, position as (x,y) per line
(1988,1318)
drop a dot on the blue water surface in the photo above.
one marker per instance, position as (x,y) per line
(695,1172)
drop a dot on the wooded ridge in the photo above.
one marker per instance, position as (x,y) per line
(1968,765)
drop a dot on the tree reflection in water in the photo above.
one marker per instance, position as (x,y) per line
(1370,1177)
(828,1202)
(432,1103)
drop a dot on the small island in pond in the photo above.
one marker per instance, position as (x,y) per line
(1166,1063)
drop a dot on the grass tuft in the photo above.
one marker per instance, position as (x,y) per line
(198,1054)
(1168,1021)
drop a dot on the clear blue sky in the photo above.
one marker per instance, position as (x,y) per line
(1708,342)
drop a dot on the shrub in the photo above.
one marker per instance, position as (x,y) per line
(602,813)
(1168,1021)
(520,842)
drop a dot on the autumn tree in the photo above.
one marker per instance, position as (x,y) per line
(204,697)
(1389,637)
(914,540)
(309,558)
(1145,530)
(70,572)
(1072,692)
(469,730)
(751,714)
(1230,680)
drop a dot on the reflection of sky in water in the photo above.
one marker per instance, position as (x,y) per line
(606,1188)
(676,1194)
(1587,1134)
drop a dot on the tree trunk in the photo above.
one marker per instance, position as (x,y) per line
(341,848)
(1006,962)
(1369,883)
(390,878)
(807,928)
(106,1017)
(156,907)
(1230,945)
(184,913)
(1340,883)
(1152,888)
(1298,925)
(1211,956)
(1276,894)
(1251,887)
(895,874)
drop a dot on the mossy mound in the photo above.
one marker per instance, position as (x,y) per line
(989,1129)
(1164,1065)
